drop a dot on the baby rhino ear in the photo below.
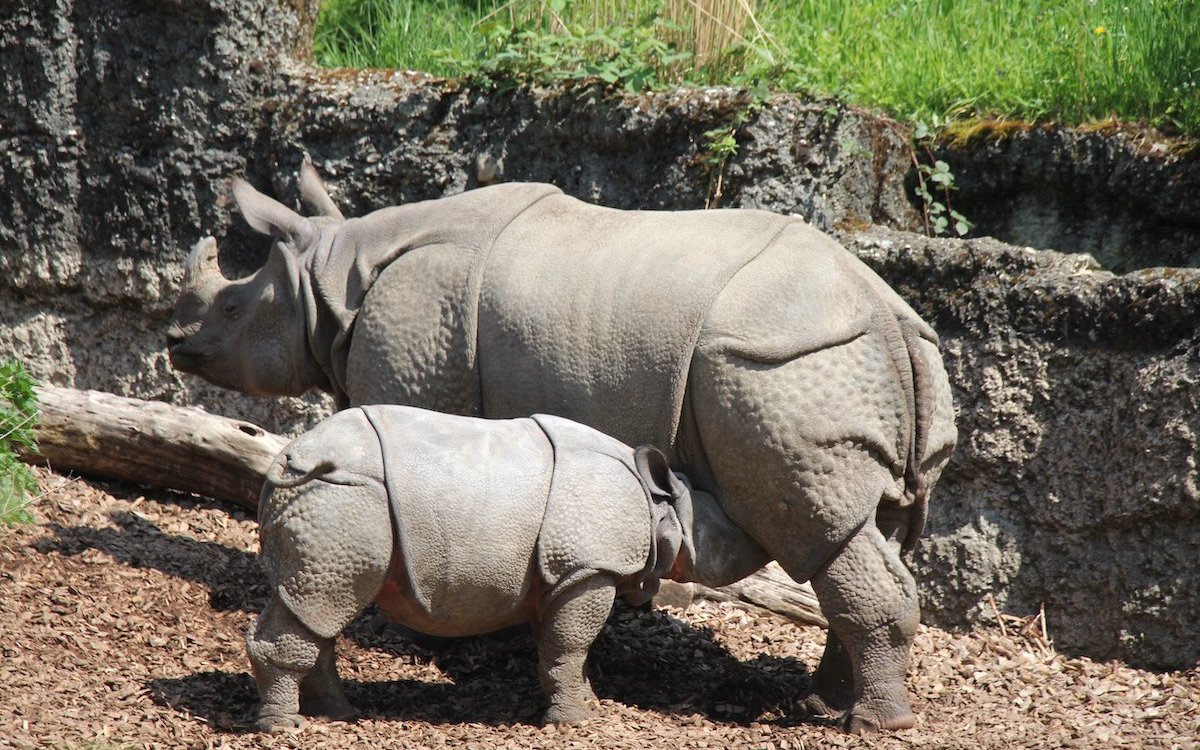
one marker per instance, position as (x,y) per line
(654,470)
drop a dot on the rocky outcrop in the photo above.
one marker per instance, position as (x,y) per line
(1074,486)
(119,123)
(1128,196)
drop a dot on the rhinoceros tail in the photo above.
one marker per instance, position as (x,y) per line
(275,475)
(916,483)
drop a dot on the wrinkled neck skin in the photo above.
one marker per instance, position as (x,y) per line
(300,369)
(341,266)
(322,325)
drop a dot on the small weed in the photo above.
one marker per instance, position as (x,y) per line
(935,182)
(721,145)
(18,416)
(938,213)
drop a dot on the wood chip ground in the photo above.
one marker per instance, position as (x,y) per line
(123,616)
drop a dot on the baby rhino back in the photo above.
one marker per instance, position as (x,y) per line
(467,498)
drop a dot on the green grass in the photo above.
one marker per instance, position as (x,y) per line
(1074,61)
(410,34)
(1067,60)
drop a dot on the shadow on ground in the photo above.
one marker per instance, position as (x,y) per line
(643,658)
(648,660)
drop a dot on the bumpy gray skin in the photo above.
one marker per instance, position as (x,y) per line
(784,377)
(459,526)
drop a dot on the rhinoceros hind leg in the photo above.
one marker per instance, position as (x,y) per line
(284,655)
(321,692)
(832,690)
(870,599)
(571,622)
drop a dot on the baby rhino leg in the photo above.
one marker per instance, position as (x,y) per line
(571,622)
(288,658)
(321,692)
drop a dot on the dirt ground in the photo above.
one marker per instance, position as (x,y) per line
(123,614)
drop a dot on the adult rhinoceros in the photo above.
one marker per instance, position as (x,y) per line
(778,371)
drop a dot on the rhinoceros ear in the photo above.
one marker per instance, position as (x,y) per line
(269,216)
(654,470)
(313,191)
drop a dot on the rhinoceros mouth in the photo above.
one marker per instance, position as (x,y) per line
(185,359)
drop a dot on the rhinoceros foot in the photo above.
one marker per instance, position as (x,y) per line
(575,713)
(817,705)
(279,722)
(872,718)
(831,693)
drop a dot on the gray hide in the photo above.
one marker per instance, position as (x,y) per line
(780,373)
(456,526)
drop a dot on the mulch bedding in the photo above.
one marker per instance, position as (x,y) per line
(123,614)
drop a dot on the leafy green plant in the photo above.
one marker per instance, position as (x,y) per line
(721,145)
(940,217)
(633,57)
(935,182)
(18,416)
(637,45)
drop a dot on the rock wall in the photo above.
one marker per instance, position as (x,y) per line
(1074,484)
(1128,196)
(121,122)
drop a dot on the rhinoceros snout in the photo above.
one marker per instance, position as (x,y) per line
(184,357)
(177,342)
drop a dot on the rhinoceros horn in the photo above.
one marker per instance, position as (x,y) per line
(202,263)
(269,216)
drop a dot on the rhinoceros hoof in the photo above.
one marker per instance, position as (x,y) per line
(567,714)
(280,723)
(815,705)
(862,722)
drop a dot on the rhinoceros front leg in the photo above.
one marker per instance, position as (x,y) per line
(571,622)
(870,599)
(290,660)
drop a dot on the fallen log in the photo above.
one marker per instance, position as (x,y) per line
(190,450)
(153,443)
(770,588)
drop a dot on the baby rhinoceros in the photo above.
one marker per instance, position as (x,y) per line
(457,526)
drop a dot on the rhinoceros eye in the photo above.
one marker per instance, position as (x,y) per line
(231,309)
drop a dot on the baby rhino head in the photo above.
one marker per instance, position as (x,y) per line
(250,334)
